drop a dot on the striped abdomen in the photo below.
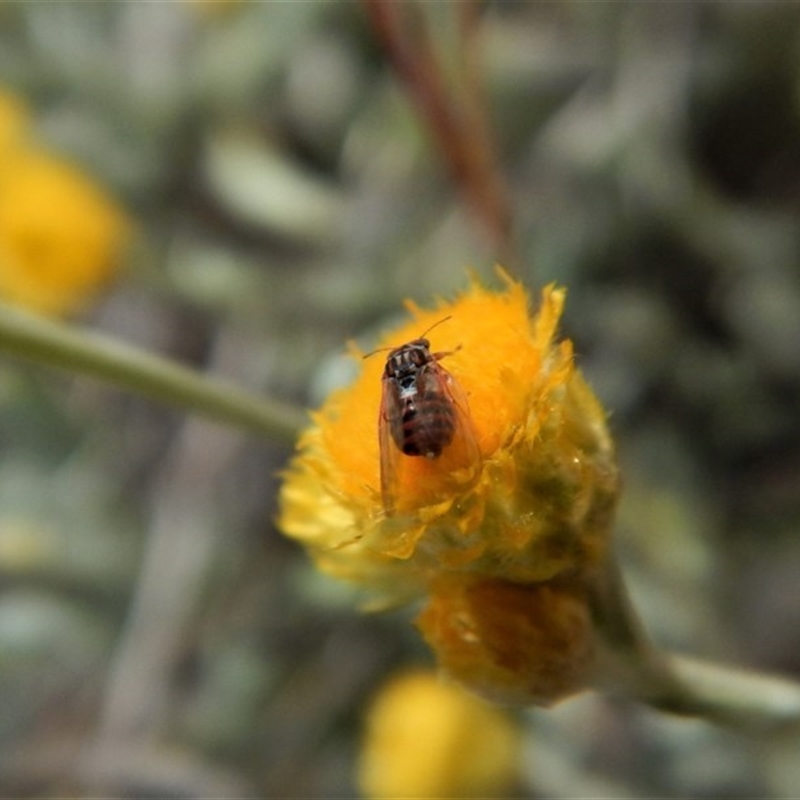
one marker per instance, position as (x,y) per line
(426,424)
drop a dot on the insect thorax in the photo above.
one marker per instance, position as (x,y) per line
(404,362)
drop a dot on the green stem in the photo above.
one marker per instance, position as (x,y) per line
(733,696)
(630,664)
(42,341)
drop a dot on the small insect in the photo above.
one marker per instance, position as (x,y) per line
(424,413)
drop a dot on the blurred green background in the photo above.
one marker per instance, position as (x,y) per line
(158,637)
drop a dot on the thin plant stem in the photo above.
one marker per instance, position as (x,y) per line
(55,344)
(629,664)
(459,128)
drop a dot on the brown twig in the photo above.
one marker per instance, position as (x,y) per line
(459,128)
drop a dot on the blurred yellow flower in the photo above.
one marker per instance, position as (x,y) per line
(426,738)
(535,506)
(61,235)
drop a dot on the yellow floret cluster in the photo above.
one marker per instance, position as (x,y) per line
(537,511)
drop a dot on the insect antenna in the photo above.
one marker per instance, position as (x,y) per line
(421,336)
(435,325)
(379,350)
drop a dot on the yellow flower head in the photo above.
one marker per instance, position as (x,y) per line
(523,495)
(61,236)
(428,738)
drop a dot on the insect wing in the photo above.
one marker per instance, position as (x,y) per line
(462,455)
(423,479)
(391,408)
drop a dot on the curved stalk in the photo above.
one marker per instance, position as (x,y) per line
(629,664)
(43,341)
